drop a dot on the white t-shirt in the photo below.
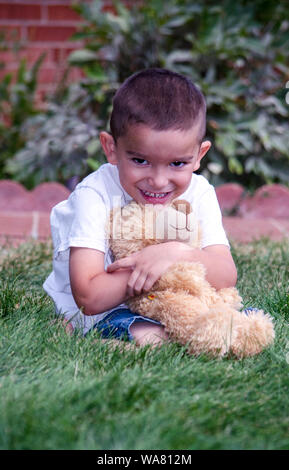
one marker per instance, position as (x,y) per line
(80,221)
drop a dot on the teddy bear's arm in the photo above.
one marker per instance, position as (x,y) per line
(184,276)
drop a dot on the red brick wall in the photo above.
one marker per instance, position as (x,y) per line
(43,26)
(40,26)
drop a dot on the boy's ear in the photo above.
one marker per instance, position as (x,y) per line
(204,148)
(108,145)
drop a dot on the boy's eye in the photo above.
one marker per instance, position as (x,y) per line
(178,164)
(139,161)
(142,162)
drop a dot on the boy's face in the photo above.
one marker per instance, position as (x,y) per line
(155,167)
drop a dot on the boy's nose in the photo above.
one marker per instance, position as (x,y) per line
(158,180)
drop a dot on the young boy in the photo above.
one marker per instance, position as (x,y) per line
(156,144)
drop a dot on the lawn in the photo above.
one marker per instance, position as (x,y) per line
(62,392)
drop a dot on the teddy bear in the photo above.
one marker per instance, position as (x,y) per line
(193,312)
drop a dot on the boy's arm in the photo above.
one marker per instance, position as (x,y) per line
(94,290)
(220,267)
(151,262)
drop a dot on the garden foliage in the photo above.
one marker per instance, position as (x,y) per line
(236,52)
(59,141)
(16,105)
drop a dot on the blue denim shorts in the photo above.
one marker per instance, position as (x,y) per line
(117,323)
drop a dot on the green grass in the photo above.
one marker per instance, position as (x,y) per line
(61,392)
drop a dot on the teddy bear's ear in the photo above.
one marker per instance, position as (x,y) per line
(182,206)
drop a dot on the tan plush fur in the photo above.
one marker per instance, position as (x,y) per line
(193,312)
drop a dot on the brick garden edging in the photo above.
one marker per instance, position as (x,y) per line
(25,214)
(264,214)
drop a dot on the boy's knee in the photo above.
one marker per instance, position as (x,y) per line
(148,333)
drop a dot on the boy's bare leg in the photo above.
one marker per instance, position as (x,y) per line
(143,334)
(114,342)
(148,333)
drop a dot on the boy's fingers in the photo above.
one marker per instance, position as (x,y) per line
(131,283)
(149,283)
(121,263)
(112,267)
(138,287)
(135,283)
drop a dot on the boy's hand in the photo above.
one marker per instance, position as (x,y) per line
(149,264)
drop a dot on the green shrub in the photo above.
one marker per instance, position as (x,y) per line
(16,105)
(59,141)
(237,52)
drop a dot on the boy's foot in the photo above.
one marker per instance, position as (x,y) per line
(68,327)
(65,323)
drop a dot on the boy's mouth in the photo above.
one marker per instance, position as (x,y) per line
(152,198)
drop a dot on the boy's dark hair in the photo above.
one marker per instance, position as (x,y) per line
(160,99)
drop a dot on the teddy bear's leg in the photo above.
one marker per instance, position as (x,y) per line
(254,332)
(189,321)
(177,311)
(230,296)
(214,332)
(225,330)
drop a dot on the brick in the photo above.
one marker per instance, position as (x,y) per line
(44,225)
(269,201)
(48,195)
(229,196)
(11,33)
(247,230)
(62,13)
(50,33)
(10,68)
(48,75)
(13,196)
(57,55)
(60,54)
(18,11)
(31,55)
(7,57)
(6,241)
(16,224)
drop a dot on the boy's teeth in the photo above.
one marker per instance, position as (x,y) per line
(147,193)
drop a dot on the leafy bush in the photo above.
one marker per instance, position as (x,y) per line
(59,141)
(16,105)
(237,52)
